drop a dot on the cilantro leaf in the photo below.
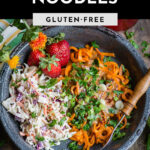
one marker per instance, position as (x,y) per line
(123,68)
(145,45)
(86,127)
(129,35)
(62,121)
(107,59)
(118,92)
(38,138)
(134,44)
(94,44)
(51,82)
(52,123)
(112,110)
(73,146)
(33,115)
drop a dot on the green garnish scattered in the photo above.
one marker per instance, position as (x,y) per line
(33,95)
(118,92)
(145,46)
(107,59)
(112,111)
(52,123)
(62,121)
(25,79)
(86,127)
(129,35)
(49,84)
(62,112)
(33,115)
(148,122)
(40,138)
(113,123)
(94,44)
(135,45)
(73,146)
(14,85)
(123,68)
(116,98)
(39,72)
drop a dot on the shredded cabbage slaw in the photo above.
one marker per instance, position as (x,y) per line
(40,111)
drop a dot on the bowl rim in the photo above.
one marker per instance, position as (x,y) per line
(138,131)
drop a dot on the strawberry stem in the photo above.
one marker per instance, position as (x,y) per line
(56,39)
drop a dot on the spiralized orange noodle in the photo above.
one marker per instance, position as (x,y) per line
(113,89)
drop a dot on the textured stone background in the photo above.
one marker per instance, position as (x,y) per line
(140,35)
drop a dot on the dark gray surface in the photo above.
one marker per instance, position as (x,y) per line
(111,42)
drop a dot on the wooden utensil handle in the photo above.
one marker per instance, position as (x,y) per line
(139,90)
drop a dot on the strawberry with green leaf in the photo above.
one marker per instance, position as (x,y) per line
(60,48)
(50,66)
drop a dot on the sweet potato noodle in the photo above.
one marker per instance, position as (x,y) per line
(107,70)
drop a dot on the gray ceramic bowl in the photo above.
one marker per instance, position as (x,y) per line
(109,41)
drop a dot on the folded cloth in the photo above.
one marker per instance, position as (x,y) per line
(4,23)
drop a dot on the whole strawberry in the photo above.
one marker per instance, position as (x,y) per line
(34,57)
(60,48)
(50,66)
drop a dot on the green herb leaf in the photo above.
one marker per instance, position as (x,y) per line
(33,115)
(52,123)
(51,82)
(95,62)
(112,110)
(107,59)
(33,95)
(113,123)
(118,92)
(38,138)
(129,35)
(93,71)
(62,112)
(62,121)
(86,127)
(94,44)
(25,79)
(134,44)
(145,45)
(73,146)
(116,98)
(123,68)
